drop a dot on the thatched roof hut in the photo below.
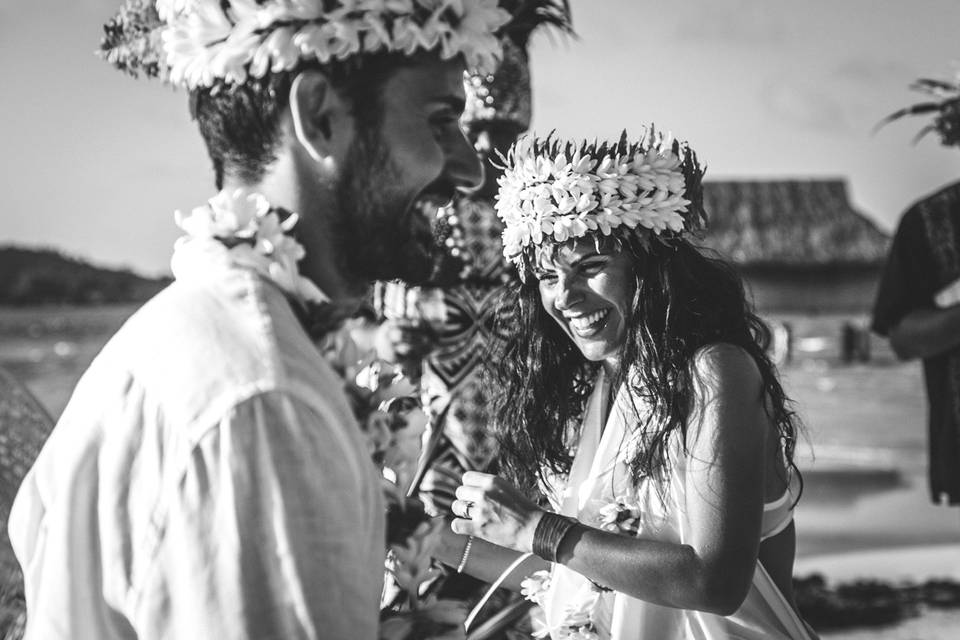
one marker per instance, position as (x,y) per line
(803,223)
(800,244)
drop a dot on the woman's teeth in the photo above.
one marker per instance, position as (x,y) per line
(588,323)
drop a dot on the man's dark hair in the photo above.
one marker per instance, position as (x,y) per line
(240,124)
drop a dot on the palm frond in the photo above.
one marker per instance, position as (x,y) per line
(945,110)
(940,88)
(914,110)
(923,132)
(528,15)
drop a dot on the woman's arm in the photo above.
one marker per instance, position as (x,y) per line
(485,561)
(712,571)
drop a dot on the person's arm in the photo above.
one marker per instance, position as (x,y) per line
(908,310)
(272,530)
(924,333)
(712,571)
(485,561)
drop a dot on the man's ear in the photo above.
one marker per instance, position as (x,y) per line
(321,117)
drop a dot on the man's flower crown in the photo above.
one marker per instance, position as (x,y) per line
(554,190)
(202,42)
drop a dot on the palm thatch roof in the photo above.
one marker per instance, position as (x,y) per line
(790,223)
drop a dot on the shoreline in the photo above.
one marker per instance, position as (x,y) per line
(916,563)
(849,510)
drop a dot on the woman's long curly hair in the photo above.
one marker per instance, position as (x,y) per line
(685,300)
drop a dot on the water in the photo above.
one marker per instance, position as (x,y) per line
(863,457)
(48,348)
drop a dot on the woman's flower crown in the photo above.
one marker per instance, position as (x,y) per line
(557,190)
(202,42)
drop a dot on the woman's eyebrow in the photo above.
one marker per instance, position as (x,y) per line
(593,256)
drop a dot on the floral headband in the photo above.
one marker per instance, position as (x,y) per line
(196,43)
(554,190)
(944,104)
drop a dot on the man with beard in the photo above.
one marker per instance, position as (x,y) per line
(207,479)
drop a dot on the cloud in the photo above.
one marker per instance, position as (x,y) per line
(805,105)
(732,22)
(865,72)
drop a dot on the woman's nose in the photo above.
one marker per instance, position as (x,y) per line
(566,294)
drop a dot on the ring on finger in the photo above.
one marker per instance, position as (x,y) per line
(465,509)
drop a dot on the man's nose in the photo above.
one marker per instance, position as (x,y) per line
(463,165)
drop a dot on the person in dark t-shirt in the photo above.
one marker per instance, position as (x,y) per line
(917,309)
(918,301)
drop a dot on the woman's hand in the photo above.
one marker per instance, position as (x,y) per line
(492,509)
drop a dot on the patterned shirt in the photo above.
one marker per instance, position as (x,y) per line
(925,258)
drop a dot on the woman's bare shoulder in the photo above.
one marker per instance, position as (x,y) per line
(723,363)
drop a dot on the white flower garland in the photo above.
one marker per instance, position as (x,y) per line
(621,516)
(240,227)
(557,191)
(205,42)
(577,623)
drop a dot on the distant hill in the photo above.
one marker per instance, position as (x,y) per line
(44,276)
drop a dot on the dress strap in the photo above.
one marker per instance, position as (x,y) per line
(778,514)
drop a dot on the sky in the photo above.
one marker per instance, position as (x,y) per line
(95,162)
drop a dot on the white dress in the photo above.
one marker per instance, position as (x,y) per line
(599,476)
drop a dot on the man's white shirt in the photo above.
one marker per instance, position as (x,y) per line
(206,480)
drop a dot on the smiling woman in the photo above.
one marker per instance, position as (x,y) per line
(638,400)
(588,291)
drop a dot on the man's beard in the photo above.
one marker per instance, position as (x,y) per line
(377,239)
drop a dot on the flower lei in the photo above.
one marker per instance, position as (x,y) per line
(244,226)
(208,40)
(555,190)
(239,227)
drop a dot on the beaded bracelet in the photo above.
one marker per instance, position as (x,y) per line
(466,554)
(549,533)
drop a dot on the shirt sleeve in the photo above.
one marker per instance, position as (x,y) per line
(273,532)
(906,282)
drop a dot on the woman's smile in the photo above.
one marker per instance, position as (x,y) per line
(588,293)
(588,325)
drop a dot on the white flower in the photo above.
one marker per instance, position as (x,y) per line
(578,191)
(167,9)
(578,614)
(205,42)
(255,238)
(277,53)
(535,586)
(620,516)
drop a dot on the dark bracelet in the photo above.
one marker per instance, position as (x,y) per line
(549,533)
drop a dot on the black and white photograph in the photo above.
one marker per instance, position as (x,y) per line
(480,320)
